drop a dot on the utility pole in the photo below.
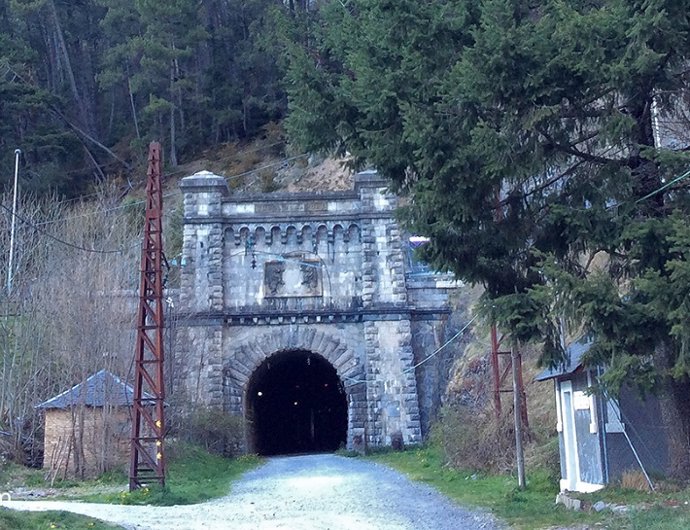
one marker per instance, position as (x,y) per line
(517,406)
(13,221)
(147,459)
(499,373)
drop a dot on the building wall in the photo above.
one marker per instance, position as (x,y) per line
(426,293)
(588,432)
(604,452)
(318,272)
(85,442)
(642,421)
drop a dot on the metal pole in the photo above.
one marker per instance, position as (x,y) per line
(517,406)
(17,153)
(495,373)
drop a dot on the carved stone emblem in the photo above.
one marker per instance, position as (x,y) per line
(310,275)
(294,276)
(273,277)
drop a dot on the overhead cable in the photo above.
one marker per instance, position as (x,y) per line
(58,240)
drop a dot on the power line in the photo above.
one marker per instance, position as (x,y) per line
(171,194)
(58,240)
(352,381)
(438,350)
(662,188)
(244,152)
(99,212)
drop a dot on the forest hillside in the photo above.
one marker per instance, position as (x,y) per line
(85,85)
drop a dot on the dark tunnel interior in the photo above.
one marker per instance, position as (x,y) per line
(296,404)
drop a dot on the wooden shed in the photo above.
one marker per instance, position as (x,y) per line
(601,437)
(88,427)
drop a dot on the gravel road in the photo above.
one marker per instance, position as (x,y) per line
(324,492)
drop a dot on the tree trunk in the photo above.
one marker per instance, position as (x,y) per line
(675,412)
(134,108)
(68,64)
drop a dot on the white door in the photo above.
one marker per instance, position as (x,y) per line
(572,464)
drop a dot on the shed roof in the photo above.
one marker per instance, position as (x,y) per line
(573,361)
(100,389)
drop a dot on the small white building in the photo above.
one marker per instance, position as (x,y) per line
(600,438)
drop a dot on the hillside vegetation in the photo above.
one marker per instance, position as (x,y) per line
(84,86)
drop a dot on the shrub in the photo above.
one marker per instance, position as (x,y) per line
(268,181)
(544,455)
(634,480)
(215,430)
(472,439)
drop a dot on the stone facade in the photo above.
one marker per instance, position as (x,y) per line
(324,273)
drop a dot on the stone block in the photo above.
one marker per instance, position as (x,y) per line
(568,501)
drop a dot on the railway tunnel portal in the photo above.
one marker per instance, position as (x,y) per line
(303,314)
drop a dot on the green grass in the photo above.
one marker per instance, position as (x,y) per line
(14,475)
(193,476)
(13,520)
(534,507)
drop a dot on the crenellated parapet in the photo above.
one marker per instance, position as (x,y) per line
(311,235)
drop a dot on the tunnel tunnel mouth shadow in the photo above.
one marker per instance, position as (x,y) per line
(296,404)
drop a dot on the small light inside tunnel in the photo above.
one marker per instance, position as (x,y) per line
(295,403)
(325,385)
(259,393)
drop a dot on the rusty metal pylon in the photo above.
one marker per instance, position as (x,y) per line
(499,375)
(147,459)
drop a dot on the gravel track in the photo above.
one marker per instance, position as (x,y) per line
(313,492)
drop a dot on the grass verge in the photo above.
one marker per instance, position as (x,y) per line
(193,476)
(534,507)
(13,520)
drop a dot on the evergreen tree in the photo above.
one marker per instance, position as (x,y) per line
(27,118)
(523,134)
(99,78)
(243,79)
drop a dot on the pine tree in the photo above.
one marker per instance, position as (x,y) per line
(523,134)
(27,118)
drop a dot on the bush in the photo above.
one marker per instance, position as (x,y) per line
(545,455)
(472,439)
(215,430)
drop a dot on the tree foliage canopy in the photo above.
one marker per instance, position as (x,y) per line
(524,135)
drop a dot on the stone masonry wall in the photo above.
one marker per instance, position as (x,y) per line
(322,273)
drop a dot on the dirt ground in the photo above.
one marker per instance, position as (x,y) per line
(312,492)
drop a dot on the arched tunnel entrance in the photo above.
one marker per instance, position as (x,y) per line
(296,403)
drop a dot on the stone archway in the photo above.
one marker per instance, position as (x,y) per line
(246,365)
(295,403)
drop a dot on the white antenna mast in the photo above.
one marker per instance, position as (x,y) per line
(17,154)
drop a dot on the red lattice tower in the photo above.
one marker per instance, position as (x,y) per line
(499,370)
(147,459)
(499,375)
